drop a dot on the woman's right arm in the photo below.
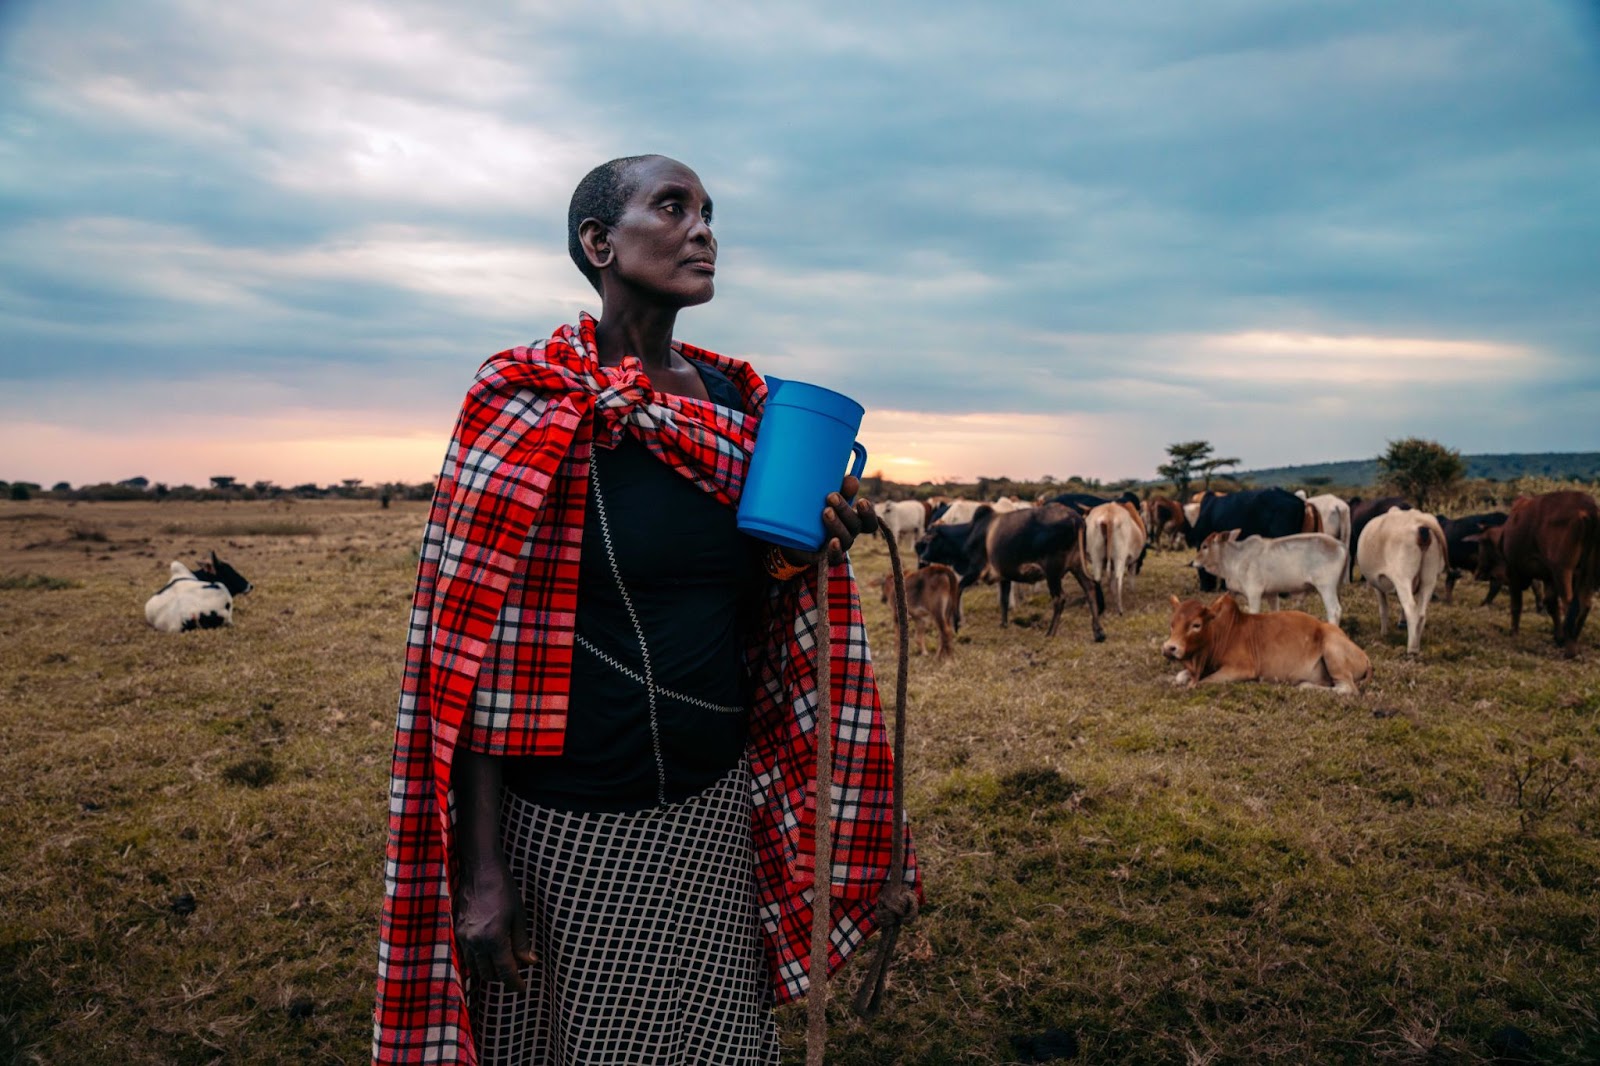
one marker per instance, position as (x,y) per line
(492,932)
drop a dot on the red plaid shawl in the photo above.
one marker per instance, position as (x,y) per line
(489,657)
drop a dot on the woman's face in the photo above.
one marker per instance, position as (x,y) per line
(662,245)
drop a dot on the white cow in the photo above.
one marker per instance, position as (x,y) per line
(1335,515)
(964,510)
(1112,540)
(1278,566)
(958,512)
(904,518)
(196,601)
(1402,552)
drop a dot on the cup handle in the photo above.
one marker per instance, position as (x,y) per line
(860,463)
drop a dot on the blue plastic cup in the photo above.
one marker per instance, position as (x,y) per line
(806,433)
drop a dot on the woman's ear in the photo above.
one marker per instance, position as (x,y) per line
(596,242)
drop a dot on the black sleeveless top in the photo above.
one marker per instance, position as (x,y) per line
(686,573)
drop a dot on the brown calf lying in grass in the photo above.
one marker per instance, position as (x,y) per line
(933,597)
(1221,642)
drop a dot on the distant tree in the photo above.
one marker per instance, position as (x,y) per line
(222,482)
(264,488)
(61,486)
(1317,481)
(351,484)
(19,490)
(140,483)
(1186,458)
(1420,469)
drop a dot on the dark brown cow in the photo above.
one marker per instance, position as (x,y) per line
(1554,538)
(1165,521)
(933,598)
(1028,545)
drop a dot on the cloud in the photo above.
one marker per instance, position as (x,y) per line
(1296,228)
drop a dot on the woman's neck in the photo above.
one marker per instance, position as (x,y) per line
(645,332)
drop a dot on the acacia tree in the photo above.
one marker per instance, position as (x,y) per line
(1422,470)
(1191,458)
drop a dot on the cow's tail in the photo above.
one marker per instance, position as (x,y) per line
(1312,522)
(1425,541)
(1105,557)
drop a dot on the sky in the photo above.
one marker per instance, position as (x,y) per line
(275,240)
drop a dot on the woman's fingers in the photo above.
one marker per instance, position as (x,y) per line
(868,516)
(497,960)
(849,519)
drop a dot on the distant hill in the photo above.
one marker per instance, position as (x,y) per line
(1583,466)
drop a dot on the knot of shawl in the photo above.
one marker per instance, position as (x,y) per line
(624,397)
(897,905)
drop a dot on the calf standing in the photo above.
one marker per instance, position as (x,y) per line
(1402,552)
(933,598)
(1278,566)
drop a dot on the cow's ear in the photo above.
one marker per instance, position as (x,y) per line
(1176,603)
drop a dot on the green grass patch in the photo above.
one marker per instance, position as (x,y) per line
(35,582)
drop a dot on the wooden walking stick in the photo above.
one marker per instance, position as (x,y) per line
(897,905)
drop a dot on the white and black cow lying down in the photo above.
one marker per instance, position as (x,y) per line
(196,599)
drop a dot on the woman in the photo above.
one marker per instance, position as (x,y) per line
(600,840)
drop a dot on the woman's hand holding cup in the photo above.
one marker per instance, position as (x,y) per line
(841,525)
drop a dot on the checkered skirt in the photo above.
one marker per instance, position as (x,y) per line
(645,927)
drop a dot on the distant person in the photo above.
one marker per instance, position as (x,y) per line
(615,688)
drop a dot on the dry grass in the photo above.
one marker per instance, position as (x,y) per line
(1254,874)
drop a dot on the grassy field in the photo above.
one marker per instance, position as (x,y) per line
(191,866)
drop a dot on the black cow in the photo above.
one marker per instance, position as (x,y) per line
(1037,542)
(1270,512)
(1461,538)
(1364,511)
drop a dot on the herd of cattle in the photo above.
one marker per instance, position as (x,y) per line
(1258,543)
